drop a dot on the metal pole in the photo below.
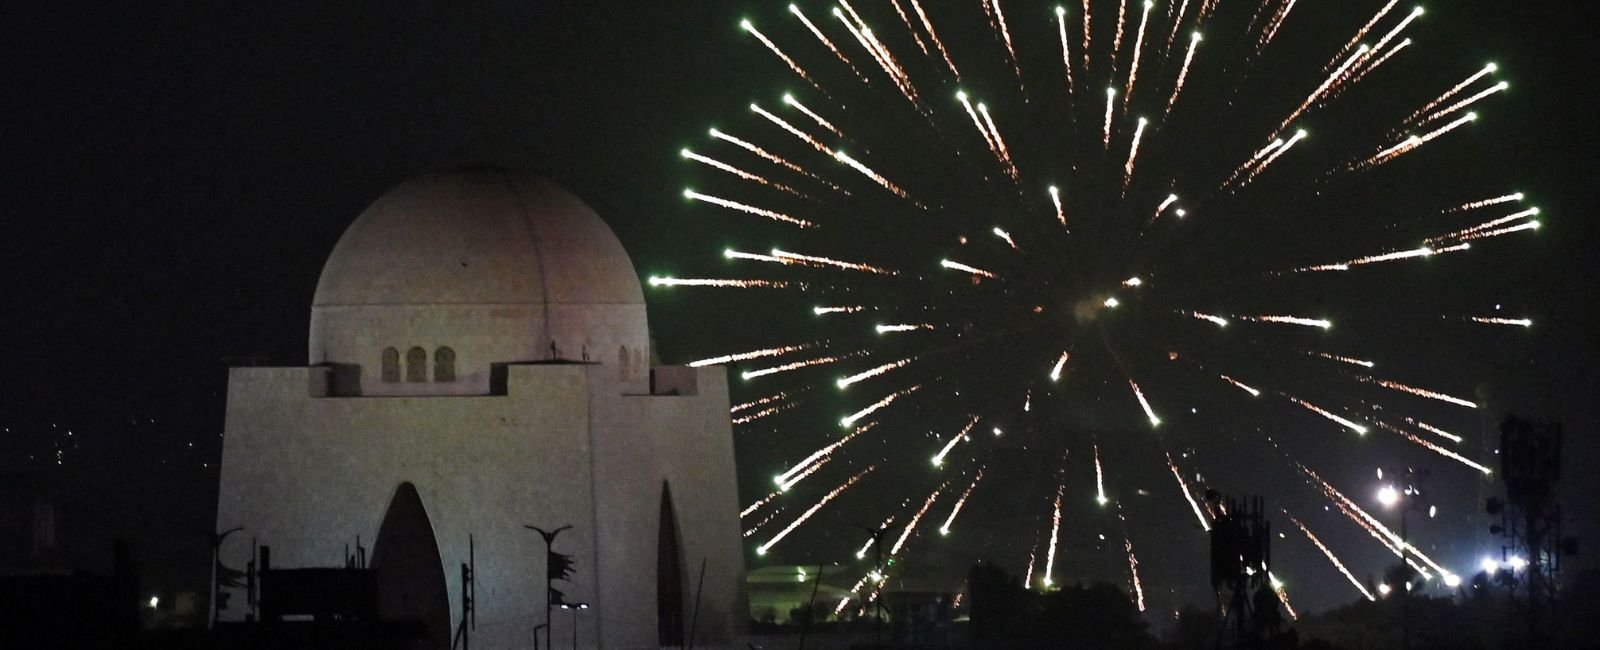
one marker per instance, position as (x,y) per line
(694,619)
(811,605)
(1405,596)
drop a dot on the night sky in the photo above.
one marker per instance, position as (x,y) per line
(174,177)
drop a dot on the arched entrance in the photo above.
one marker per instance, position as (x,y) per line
(669,576)
(411,585)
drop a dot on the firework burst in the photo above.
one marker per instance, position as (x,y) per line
(942,288)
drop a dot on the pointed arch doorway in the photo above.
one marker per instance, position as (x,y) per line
(670,585)
(411,585)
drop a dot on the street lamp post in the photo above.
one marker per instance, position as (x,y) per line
(877,604)
(1406,497)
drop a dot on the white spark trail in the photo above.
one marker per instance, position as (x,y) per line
(747,209)
(1434,447)
(904,327)
(791,476)
(1216,320)
(1005,152)
(1456,90)
(769,156)
(1334,559)
(757,505)
(934,36)
(1275,155)
(1138,48)
(812,260)
(1277,22)
(850,309)
(789,100)
(1111,103)
(1144,404)
(1489,225)
(753,354)
(1346,423)
(1343,359)
(1005,35)
(844,382)
(1183,74)
(1519,322)
(1183,486)
(718,282)
(722,166)
(1317,95)
(1055,535)
(1055,197)
(967,269)
(911,526)
(1434,430)
(961,436)
(796,132)
(1133,155)
(1099,479)
(762,550)
(945,528)
(1066,50)
(808,363)
(1061,364)
(1289,320)
(824,38)
(1361,33)
(906,20)
(1420,392)
(1453,108)
(1133,570)
(1484,203)
(1369,69)
(851,419)
(1241,385)
(865,171)
(751,28)
(1005,236)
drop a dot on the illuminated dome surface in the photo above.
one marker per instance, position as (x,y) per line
(494,265)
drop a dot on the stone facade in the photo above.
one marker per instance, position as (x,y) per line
(513,431)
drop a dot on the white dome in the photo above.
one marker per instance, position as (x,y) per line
(473,269)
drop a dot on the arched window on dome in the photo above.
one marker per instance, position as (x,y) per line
(444,365)
(622,362)
(416,365)
(391,366)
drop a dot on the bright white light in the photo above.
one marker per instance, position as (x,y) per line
(1388,496)
(1384,589)
(1489,566)
(154,601)
(1112,302)
(1517,563)
(1452,580)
